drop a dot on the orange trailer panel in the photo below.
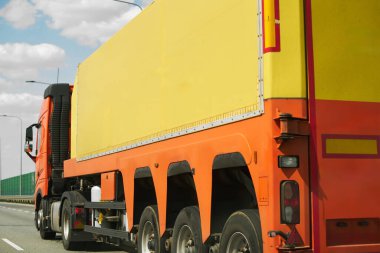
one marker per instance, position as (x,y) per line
(108,186)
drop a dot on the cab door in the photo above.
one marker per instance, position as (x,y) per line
(42,151)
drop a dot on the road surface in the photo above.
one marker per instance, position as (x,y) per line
(18,234)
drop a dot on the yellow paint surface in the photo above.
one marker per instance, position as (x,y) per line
(284,71)
(346,37)
(179,64)
(351,146)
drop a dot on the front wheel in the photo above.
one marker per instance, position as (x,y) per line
(38,218)
(242,233)
(187,233)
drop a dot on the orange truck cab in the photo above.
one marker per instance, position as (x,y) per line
(222,126)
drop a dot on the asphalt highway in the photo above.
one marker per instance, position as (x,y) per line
(18,234)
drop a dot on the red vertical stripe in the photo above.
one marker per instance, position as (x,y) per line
(313,127)
(277,9)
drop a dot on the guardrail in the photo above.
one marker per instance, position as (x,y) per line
(17,199)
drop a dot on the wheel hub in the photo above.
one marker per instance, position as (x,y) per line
(148,242)
(66,226)
(185,242)
(238,243)
(39,218)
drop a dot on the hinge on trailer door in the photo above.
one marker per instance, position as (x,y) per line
(290,127)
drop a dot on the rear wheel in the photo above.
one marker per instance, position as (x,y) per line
(242,233)
(149,232)
(41,222)
(66,221)
(187,233)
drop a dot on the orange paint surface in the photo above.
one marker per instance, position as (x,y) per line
(43,168)
(108,181)
(348,185)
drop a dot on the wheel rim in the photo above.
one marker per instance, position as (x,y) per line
(66,226)
(148,238)
(39,218)
(185,242)
(238,243)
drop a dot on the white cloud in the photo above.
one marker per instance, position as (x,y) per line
(22,61)
(19,13)
(89,22)
(19,103)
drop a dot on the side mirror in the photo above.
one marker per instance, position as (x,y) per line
(28,148)
(29,133)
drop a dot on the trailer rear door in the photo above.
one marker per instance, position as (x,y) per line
(343,54)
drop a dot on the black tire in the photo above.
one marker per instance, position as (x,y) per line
(187,231)
(149,232)
(66,223)
(45,231)
(242,230)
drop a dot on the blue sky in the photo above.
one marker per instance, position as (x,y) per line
(36,38)
(40,33)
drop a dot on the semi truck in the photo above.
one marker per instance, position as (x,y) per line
(219,126)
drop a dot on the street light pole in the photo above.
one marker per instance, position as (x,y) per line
(0,170)
(21,146)
(32,81)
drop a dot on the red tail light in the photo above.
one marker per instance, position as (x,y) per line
(79,210)
(79,218)
(290,202)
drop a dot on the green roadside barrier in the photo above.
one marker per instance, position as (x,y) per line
(11,186)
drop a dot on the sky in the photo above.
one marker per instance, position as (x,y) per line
(38,39)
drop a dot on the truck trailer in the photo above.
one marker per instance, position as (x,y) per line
(219,126)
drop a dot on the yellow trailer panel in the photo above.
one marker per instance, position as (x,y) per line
(284,66)
(180,65)
(346,50)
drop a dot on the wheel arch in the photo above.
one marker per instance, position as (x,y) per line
(143,182)
(232,188)
(37,200)
(181,190)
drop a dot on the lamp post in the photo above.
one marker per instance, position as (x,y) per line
(0,170)
(21,146)
(32,81)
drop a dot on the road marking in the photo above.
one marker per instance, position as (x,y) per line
(15,246)
(14,209)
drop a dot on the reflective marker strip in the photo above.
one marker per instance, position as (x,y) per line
(16,247)
(350,146)
(271,24)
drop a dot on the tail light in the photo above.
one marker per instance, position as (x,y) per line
(290,202)
(80,218)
